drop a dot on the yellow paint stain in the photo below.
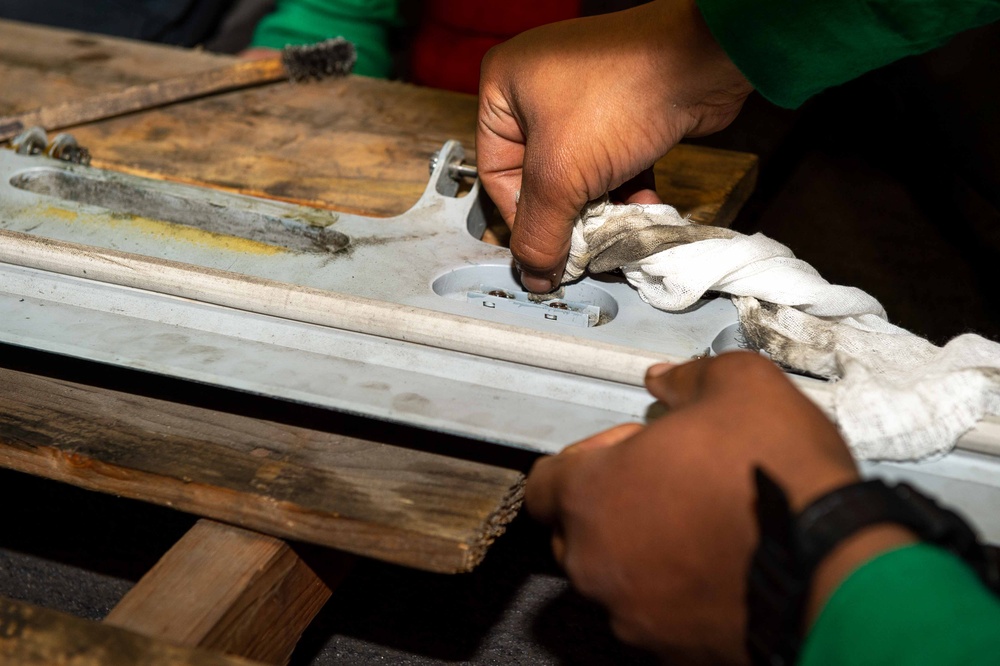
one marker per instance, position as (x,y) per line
(165,230)
(61,213)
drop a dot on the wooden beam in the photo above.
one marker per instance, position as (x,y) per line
(230,590)
(342,482)
(707,184)
(33,636)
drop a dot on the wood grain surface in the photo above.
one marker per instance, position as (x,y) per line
(230,590)
(389,502)
(238,75)
(33,636)
(354,144)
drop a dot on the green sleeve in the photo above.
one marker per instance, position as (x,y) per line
(792,49)
(365,23)
(915,606)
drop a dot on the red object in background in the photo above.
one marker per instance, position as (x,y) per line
(454,35)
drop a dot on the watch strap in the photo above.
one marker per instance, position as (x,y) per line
(843,512)
(777,583)
(791,547)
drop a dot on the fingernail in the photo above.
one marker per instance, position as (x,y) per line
(534,284)
(658,369)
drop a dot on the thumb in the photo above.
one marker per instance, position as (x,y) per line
(551,198)
(680,385)
(731,376)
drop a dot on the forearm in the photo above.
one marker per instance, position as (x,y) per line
(365,23)
(913,606)
(791,49)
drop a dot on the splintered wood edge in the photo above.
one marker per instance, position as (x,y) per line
(34,636)
(494,527)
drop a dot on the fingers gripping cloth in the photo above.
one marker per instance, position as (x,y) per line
(896,395)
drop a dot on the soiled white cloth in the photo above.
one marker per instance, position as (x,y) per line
(897,396)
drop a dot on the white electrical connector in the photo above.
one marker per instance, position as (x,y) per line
(521,303)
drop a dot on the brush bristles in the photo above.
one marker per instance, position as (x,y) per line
(332,58)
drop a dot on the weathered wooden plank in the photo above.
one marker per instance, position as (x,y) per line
(240,74)
(345,489)
(230,590)
(41,65)
(33,636)
(707,184)
(354,144)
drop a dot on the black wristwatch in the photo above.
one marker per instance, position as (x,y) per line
(791,547)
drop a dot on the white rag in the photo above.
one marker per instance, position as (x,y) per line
(896,395)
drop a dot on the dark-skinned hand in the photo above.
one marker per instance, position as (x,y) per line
(656,523)
(574,110)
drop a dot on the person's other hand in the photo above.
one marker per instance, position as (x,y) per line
(657,523)
(573,110)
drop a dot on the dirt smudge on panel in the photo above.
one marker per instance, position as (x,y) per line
(413,403)
(159,229)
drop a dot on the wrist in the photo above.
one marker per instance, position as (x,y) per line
(703,77)
(847,557)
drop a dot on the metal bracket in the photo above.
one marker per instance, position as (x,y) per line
(34,141)
(379,317)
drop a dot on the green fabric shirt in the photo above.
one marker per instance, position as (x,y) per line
(365,23)
(915,606)
(792,49)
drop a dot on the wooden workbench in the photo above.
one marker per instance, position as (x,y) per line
(380,491)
